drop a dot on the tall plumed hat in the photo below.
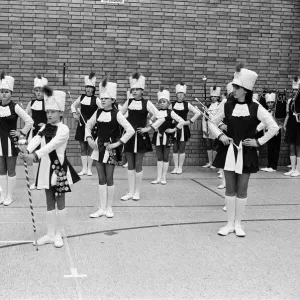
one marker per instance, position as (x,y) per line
(244,77)
(54,100)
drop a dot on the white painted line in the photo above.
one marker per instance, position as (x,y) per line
(13,242)
(73,269)
(74,273)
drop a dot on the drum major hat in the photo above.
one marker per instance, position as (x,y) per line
(244,77)
(7,82)
(296,83)
(54,100)
(215,91)
(90,80)
(270,97)
(137,81)
(108,89)
(39,81)
(181,88)
(163,94)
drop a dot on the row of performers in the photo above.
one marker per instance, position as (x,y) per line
(237,156)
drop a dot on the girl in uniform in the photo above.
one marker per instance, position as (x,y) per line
(9,114)
(240,158)
(55,174)
(87,104)
(215,93)
(163,138)
(36,108)
(135,149)
(292,132)
(106,147)
(182,108)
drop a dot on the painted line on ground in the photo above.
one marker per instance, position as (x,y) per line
(158,225)
(13,242)
(74,273)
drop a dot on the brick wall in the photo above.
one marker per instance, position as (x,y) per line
(167,41)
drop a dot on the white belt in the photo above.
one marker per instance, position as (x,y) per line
(232,164)
(182,134)
(158,139)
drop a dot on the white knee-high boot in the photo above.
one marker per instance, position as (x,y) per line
(60,227)
(11,184)
(181,162)
(240,206)
(84,166)
(3,188)
(131,185)
(89,166)
(230,205)
(110,197)
(138,185)
(103,202)
(159,172)
(50,223)
(176,159)
(164,173)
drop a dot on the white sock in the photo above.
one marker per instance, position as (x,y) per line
(110,195)
(165,170)
(131,181)
(103,196)
(3,186)
(138,181)
(89,163)
(181,159)
(84,163)
(230,205)
(240,206)
(159,170)
(175,158)
(61,221)
(11,184)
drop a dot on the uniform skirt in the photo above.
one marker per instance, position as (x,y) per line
(168,142)
(183,134)
(138,143)
(250,158)
(109,157)
(292,134)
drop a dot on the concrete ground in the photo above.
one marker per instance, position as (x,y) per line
(164,246)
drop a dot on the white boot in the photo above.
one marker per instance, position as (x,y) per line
(3,187)
(181,162)
(138,184)
(50,222)
(103,201)
(84,166)
(11,184)
(131,184)
(175,158)
(293,165)
(230,206)
(60,230)
(239,212)
(164,173)
(89,166)
(110,197)
(34,168)
(296,173)
(159,172)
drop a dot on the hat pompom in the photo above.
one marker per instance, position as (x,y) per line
(296,78)
(104,82)
(2,76)
(182,83)
(47,90)
(214,87)
(161,88)
(239,67)
(92,74)
(39,76)
(136,75)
